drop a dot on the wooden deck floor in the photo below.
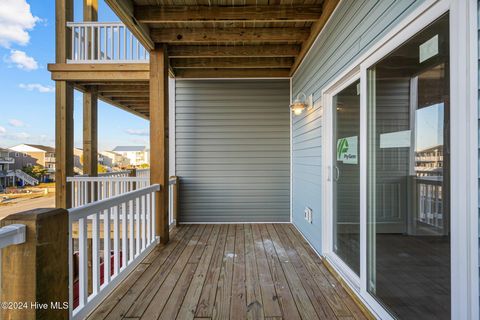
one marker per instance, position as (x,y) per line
(259,271)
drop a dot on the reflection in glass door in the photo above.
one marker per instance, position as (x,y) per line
(408,177)
(346,175)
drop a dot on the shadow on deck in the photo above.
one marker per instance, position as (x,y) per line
(258,271)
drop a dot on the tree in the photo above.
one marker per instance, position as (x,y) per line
(144,166)
(37,172)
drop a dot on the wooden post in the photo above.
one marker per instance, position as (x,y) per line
(63,108)
(159,136)
(90,135)
(90,10)
(37,271)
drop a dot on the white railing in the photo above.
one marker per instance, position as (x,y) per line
(118,174)
(90,189)
(142,173)
(430,204)
(127,222)
(99,42)
(12,234)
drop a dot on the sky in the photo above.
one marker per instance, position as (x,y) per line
(27,93)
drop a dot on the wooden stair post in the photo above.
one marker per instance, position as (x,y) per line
(35,273)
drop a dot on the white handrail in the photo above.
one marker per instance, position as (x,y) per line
(105,42)
(128,223)
(89,189)
(12,234)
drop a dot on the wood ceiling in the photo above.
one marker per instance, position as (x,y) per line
(215,39)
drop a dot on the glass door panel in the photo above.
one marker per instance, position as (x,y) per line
(346,176)
(408,240)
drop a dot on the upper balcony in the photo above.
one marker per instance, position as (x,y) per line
(104,42)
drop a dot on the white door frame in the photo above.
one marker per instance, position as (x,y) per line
(328,183)
(464,151)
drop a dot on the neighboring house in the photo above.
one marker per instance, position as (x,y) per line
(6,164)
(113,159)
(35,154)
(137,155)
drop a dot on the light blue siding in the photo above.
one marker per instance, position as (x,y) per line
(354,27)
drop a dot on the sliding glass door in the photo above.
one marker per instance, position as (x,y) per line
(346,175)
(408,177)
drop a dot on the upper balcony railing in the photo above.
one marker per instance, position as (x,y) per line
(100,42)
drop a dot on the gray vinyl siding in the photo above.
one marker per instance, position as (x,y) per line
(355,26)
(233,150)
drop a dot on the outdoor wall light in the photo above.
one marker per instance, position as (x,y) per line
(300,104)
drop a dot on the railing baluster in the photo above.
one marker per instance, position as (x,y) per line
(82,261)
(137,224)
(95,254)
(106,246)
(125,43)
(116,240)
(131,224)
(153,216)
(113,41)
(147,213)
(143,222)
(124,235)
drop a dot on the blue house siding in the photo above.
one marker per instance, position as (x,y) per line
(353,28)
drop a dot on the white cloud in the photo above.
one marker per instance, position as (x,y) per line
(2,130)
(16,123)
(22,60)
(38,87)
(16,19)
(136,132)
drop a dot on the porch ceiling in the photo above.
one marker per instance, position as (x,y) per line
(227,39)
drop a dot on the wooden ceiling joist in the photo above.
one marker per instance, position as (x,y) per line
(232,73)
(182,35)
(272,50)
(264,13)
(232,63)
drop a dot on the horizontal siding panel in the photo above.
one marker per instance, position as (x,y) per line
(233,150)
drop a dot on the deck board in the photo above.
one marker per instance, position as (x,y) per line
(257,271)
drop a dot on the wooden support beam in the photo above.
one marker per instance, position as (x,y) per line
(328,8)
(100,72)
(90,132)
(186,35)
(124,10)
(120,95)
(159,136)
(36,271)
(63,107)
(232,73)
(263,13)
(273,50)
(234,63)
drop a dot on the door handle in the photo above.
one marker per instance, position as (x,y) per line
(337,173)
